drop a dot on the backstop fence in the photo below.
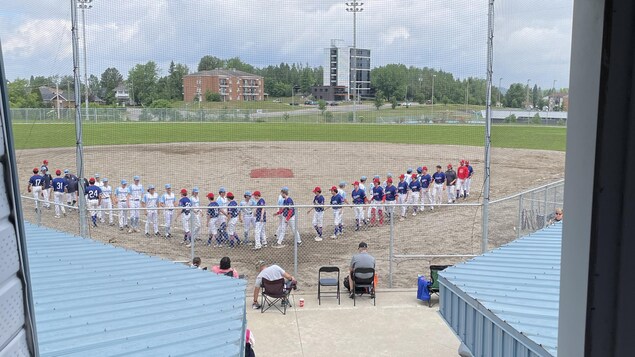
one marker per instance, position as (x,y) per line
(404,238)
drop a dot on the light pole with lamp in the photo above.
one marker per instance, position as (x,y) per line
(84,5)
(434,75)
(529,80)
(354,7)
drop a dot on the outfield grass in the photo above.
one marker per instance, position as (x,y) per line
(29,136)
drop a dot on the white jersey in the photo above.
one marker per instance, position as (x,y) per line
(362,187)
(106,192)
(99,184)
(408,178)
(136,191)
(122,193)
(195,202)
(151,200)
(342,193)
(168,199)
(246,206)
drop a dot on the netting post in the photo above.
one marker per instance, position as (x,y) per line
(544,221)
(520,215)
(391,250)
(295,244)
(192,239)
(38,211)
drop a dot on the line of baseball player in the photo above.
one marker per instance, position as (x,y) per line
(223,213)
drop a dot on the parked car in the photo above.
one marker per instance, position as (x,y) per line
(334,104)
(310,102)
(276,100)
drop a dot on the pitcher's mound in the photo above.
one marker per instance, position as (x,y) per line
(271,173)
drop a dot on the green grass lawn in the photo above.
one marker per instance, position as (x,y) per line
(29,136)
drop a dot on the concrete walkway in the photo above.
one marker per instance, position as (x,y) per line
(400,325)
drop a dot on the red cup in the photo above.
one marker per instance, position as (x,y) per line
(301,302)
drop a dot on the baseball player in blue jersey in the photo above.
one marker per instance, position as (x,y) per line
(247,215)
(402,194)
(136,192)
(377,202)
(261,219)
(438,179)
(196,213)
(336,200)
(468,181)
(318,212)
(47,185)
(71,191)
(233,214)
(93,198)
(59,187)
(390,194)
(414,197)
(106,201)
(122,196)
(369,194)
(184,213)
(358,196)
(281,219)
(100,184)
(168,200)
(426,189)
(287,211)
(150,202)
(212,220)
(36,183)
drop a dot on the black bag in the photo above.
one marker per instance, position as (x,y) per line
(358,290)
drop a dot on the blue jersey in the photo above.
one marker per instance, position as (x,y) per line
(438,177)
(359,196)
(425,180)
(391,193)
(261,214)
(337,201)
(288,210)
(48,179)
(211,211)
(186,204)
(415,186)
(402,187)
(318,200)
(233,212)
(36,180)
(470,171)
(93,192)
(59,184)
(378,193)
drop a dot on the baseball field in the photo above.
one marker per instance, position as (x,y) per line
(211,155)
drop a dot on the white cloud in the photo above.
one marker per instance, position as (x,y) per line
(393,34)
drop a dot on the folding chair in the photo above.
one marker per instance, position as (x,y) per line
(329,281)
(368,283)
(273,292)
(433,288)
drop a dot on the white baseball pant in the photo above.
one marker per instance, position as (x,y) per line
(123,217)
(460,186)
(152,219)
(291,223)
(106,203)
(92,205)
(401,199)
(415,200)
(359,213)
(231,226)
(451,193)
(248,221)
(59,201)
(318,219)
(437,192)
(261,235)
(46,192)
(185,221)
(167,219)
(35,191)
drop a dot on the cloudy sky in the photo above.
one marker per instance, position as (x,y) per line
(532,37)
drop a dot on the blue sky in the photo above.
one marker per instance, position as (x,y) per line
(532,38)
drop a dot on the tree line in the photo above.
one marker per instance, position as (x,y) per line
(392,82)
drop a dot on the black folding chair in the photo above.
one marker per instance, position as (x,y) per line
(329,281)
(433,288)
(365,283)
(272,293)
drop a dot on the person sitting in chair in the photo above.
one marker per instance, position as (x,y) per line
(225,268)
(271,273)
(360,260)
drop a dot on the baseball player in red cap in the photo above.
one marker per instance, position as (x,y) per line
(318,212)
(93,198)
(462,174)
(59,188)
(402,193)
(359,199)
(36,183)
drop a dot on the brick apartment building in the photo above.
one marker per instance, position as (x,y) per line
(229,83)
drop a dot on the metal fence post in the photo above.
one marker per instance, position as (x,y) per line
(38,211)
(391,251)
(520,216)
(295,244)
(544,221)
(192,238)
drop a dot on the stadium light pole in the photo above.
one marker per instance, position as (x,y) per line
(488,127)
(354,7)
(529,80)
(84,5)
(434,75)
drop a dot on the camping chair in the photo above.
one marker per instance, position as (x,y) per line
(368,283)
(272,292)
(330,281)
(434,280)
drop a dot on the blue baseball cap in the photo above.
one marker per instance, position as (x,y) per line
(167,185)
(389,175)
(222,189)
(247,193)
(342,183)
(65,171)
(376,177)
(284,189)
(151,187)
(363,178)
(105,179)
(136,178)
(96,175)
(409,170)
(419,169)
(195,189)
(124,182)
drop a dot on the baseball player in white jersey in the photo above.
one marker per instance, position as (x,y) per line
(247,215)
(150,202)
(99,184)
(222,217)
(408,176)
(106,201)
(136,193)
(281,222)
(167,200)
(196,213)
(362,186)
(122,196)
